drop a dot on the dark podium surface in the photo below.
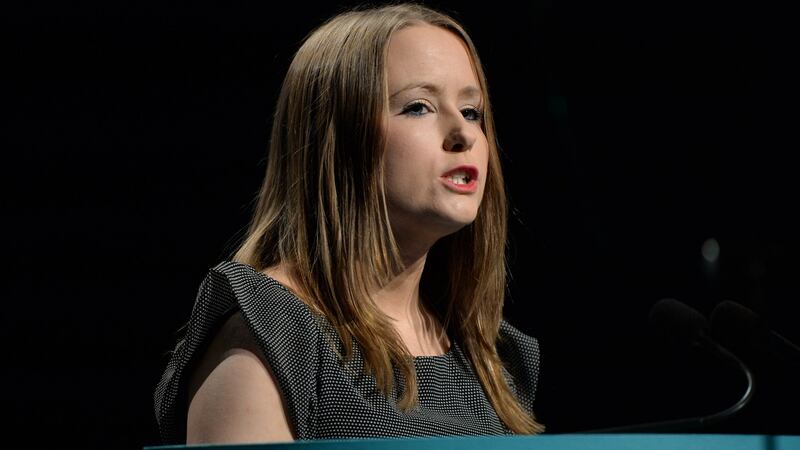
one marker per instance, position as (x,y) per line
(548,442)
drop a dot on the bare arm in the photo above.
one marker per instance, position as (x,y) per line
(233,395)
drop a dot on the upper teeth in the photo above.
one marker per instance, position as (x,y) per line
(459,177)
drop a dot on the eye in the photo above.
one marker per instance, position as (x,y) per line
(416,109)
(472,114)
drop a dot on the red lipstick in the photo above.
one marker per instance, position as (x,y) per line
(462,179)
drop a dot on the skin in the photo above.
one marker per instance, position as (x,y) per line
(428,133)
(233,396)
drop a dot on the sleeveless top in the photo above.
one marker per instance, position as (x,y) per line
(324,397)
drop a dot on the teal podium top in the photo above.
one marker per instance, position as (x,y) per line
(543,442)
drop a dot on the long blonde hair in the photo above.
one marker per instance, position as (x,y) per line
(322,211)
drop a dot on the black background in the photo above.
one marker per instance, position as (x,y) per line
(134,138)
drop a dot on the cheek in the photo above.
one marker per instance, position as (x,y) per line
(406,158)
(405,140)
(483,156)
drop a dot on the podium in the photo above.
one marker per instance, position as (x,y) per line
(541,442)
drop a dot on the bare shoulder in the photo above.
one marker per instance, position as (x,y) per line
(233,395)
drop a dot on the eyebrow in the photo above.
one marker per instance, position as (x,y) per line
(467,91)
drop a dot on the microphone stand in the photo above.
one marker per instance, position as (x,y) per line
(693,423)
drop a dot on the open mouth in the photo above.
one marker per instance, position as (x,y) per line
(459,178)
(462,178)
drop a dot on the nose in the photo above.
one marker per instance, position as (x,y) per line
(460,137)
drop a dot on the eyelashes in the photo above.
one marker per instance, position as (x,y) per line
(477,114)
(415,109)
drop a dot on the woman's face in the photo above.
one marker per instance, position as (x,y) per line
(437,154)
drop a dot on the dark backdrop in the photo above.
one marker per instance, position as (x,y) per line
(632,132)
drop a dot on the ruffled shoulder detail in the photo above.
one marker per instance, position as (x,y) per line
(284,327)
(520,355)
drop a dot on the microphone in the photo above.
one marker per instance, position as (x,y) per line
(740,329)
(685,326)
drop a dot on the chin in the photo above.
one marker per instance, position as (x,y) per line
(434,223)
(456,223)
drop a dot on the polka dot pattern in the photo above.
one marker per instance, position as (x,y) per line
(326,398)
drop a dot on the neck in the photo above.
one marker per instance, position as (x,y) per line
(399,299)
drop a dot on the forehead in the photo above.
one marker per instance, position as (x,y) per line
(427,53)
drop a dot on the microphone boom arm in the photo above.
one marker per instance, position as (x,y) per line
(694,423)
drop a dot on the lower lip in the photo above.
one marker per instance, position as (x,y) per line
(468,188)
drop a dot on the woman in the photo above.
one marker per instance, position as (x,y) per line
(366,299)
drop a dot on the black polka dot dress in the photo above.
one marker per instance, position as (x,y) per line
(324,397)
